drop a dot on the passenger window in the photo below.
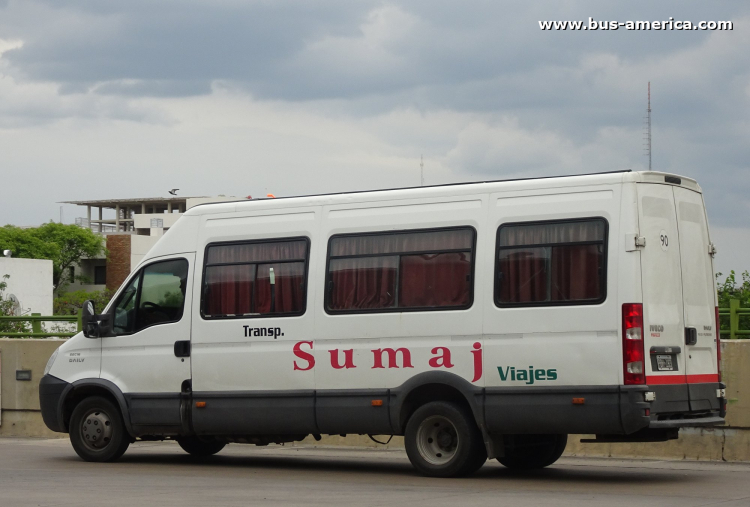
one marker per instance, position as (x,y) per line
(251,279)
(409,270)
(551,263)
(155,296)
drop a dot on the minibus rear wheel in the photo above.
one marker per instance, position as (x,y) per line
(97,430)
(442,440)
(199,447)
(528,452)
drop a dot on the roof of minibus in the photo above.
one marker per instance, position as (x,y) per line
(465,188)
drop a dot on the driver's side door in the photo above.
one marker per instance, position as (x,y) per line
(150,316)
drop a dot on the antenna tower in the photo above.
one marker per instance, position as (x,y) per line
(647,134)
(421,170)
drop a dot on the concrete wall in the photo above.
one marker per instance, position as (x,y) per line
(20,414)
(19,400)
(30,281)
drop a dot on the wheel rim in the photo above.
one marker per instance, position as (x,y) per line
(437,440)
(96,430)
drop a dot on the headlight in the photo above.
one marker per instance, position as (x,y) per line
(51,361)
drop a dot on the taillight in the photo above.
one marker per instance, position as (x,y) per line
(718,344)
(632,344)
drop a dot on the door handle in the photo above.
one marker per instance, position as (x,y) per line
(691,336)
(182,348)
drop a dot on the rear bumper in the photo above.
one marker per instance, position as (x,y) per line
(51,390)
(687,405)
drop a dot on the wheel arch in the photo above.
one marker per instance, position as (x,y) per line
(79,390)
(434,386)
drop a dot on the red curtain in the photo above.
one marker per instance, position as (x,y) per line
(524,275)
(555,272)
(245,288)
(363,283)
(575,273)
(289,293)
(229,290)
(435,280)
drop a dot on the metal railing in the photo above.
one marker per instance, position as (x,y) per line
(36,319)
(734,312)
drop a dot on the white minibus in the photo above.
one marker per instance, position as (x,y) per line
(478,320)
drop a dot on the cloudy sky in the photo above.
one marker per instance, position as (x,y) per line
(124,99)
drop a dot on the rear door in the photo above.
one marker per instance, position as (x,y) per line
(663,312)
(698,297)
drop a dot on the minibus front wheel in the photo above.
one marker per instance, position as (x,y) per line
(97,430)
(442,440)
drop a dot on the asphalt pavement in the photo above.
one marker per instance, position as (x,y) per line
(49,473)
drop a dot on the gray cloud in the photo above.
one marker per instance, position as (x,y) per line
(345,87)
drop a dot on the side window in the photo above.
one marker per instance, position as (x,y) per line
(155,296)
(260,278)
(125,308)
(409,270)
(551,263)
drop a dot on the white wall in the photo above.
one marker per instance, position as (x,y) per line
(139,247)
(143,221)
(31,282)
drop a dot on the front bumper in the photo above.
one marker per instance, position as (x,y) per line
(51,390)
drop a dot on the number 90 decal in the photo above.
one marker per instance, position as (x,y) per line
(663,240)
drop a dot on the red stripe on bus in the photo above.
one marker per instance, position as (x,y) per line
(682,379)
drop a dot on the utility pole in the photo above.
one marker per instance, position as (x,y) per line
(647,136)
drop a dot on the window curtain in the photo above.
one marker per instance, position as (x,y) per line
(235,290)
(288,291)
(382,244)
(229,289)
(435,280)
(556,272)
(524,275)
(363,283)
(426,276)
(575,273)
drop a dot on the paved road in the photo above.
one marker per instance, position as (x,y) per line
(48,473)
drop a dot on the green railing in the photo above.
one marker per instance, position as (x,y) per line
(734,312)
(36,320)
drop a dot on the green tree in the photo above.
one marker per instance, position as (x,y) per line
(65,245)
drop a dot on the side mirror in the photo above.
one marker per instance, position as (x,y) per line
(95,326)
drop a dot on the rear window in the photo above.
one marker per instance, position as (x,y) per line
(551,263)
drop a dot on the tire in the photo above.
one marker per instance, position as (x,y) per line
(529,452)
(443,440)
(97,430)
(200,448)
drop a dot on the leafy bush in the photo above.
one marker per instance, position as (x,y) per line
(730,289)
(70,302)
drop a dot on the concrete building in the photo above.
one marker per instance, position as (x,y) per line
(30,282)
(136,226)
